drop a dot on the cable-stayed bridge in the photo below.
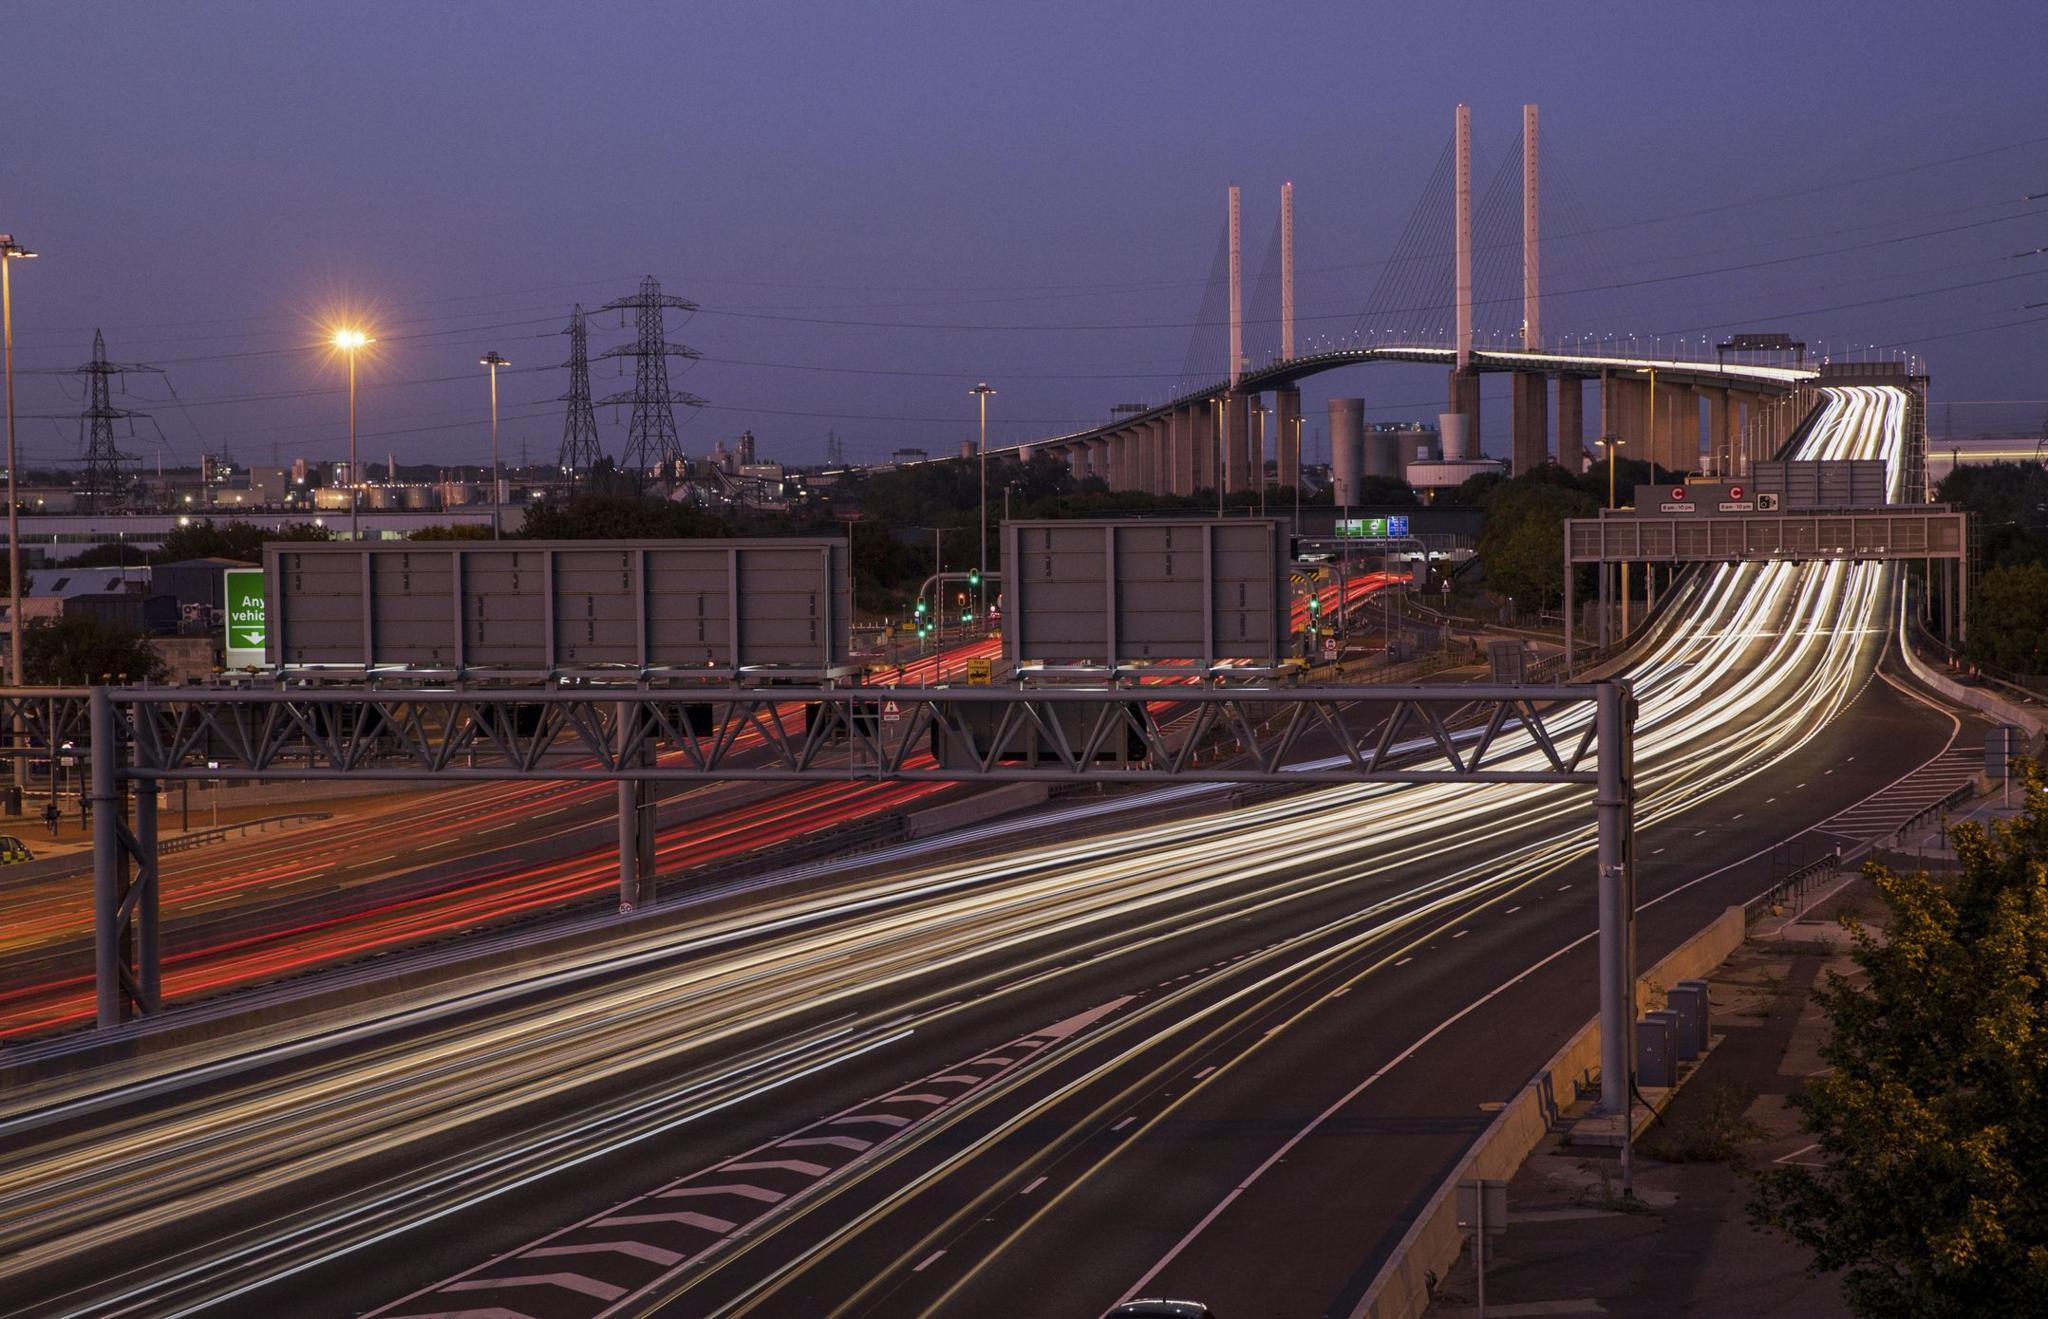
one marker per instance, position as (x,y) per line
(1475,306)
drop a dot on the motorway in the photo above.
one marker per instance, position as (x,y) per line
(393,873)
(1225,1057)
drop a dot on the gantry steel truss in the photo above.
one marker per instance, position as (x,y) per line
(139,738)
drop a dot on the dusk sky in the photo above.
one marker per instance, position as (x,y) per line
(878,205)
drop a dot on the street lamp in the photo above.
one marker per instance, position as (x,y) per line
(494,361)
(351,342)
(981,393)
(11,251)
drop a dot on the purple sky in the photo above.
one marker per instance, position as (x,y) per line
(879,204)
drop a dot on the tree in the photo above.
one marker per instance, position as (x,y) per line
(2008,505)
(1932,1120)
(234,540)
(619,517)
(453,531)
(1522,540)
(82,649)
(2009,618)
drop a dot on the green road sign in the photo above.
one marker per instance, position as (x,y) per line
(247,618)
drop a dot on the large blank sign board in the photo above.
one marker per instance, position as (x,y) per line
(1126,593)
(545,607)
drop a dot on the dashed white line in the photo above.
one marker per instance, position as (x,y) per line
(929,1260)
(1204,1072)
(1125,1123)
(1034,1186)
(1562,887)
(1404,961)
(1511,911)
(1461,934)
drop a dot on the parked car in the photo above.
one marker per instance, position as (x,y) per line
(13,850)
(1161,1309)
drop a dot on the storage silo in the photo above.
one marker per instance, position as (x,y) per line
(1347,448)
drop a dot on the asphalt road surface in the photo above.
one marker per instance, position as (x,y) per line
(1225,1058)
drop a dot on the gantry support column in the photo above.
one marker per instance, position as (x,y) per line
(1530,441)
(1613,722)
(1571,421)
(1155,456)
(636,813)
(1287,434)
(1098,461)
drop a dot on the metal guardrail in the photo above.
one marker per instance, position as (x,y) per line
(2028,689)
(1939,809)
(1794,886)
(201,837)
(1815,874)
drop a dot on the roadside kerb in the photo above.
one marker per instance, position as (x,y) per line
(1401,1289)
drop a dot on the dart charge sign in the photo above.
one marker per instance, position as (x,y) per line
(247,618)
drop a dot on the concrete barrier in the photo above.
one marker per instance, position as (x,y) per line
(1400,1290)
(1977,698)
(980,807)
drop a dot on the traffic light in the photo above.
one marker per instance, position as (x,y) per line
(1315,604)
(974,578)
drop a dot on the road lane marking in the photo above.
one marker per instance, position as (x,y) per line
(742,1204)
(637,1249)
(1034,1186)
(1404,961)
(1125,1123)
(929,1260)
(1511,911)
(1413,1048)
(742,1189)
(575,1282)
(1461,934)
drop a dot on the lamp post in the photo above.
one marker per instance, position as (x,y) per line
(981,393)
(10,252)
(1221,414)
(1612,443)
(1297,474)
(493,361)
(1262,410)
(351,342)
